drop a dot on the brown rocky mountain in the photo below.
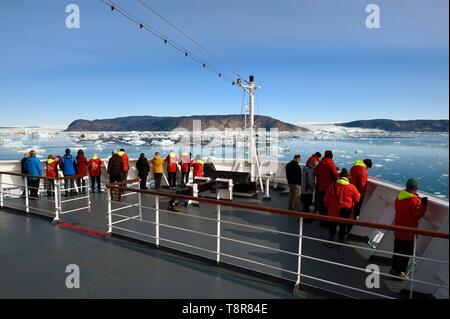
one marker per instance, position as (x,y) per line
(155,123)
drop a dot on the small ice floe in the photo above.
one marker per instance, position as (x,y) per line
(346,156)
(137,142)
(392,156)
(375,155)
(444,175)
(14,144)
(378,165)
(437,193)
(388,159)
(162,142)
(359,151)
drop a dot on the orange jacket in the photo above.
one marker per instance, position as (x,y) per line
(408,211)
(358,176)
(325,173)
(158,164)
(340,195)
(125,160)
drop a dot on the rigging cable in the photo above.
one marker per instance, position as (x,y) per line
(149,9)
(167,40)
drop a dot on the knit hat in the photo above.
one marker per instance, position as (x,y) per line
(368,163)
(67,151)
(412,184)
(329,154)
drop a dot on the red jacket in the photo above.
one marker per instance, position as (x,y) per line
(125,160)
(198,169)
(313,159)
(358,176)
(95,166)
(81,165)
(408,211)
(325,173)
(185,163)
(172,161)
(339,195)
(51,166)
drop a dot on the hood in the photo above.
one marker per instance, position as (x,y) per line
(404,194)
(94,157)
(343,181)
(359,163)
(327,160)
(172,154)
(120,153)
(49,161)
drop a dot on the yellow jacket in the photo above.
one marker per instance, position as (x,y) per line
(158,164)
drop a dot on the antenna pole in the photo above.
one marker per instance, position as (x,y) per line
(251,115)
(250,89)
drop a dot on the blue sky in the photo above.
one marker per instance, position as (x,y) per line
(315,60)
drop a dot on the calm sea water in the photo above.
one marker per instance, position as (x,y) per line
(396,158)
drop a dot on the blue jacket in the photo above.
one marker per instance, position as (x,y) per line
(33,166)
(68,165)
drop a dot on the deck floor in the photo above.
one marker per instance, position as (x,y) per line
(34,255)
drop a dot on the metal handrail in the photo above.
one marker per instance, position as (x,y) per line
(219,253)
(280,211)
(57,190)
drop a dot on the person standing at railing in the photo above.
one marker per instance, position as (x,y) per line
(358,177)
(95,171)
(115,168)
(34,169)
(340,199)
(143,168)
(309,182)
(326,174)
(294,178)
(126,165)
(51,169)
(185,165)
(68,166)
(81,170)
(158,169)
(172,160)
(409,209)
(23,169)
(198,166)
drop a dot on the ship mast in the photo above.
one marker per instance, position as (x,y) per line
(250,89)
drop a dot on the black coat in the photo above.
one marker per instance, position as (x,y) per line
(115,165)
(23,169)
(294,173)
(143,167)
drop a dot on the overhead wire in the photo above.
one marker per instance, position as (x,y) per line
(167,40)
(149,9)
